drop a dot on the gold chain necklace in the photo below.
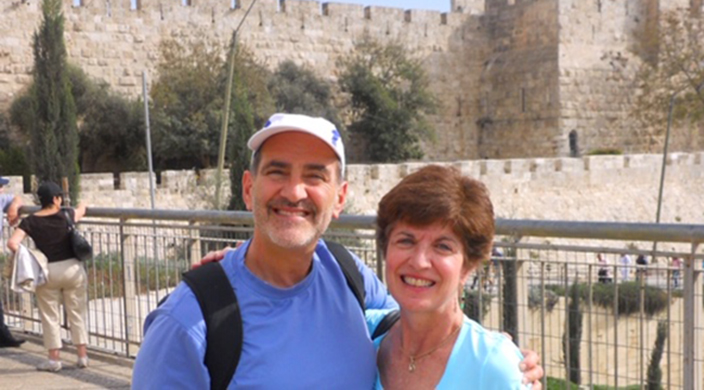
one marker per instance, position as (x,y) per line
(413,359)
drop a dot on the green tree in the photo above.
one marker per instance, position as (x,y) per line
(573,336)
(110,126)
(674,65)
(654,370)
(389,100)
(53,133)
(298,90)
(188,99)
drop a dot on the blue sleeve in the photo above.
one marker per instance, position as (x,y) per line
(172,353)
(5,201)
(500,369)
(376,295)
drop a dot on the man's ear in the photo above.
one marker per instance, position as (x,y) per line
(247,183)
(340,201)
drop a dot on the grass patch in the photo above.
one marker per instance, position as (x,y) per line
(559,384)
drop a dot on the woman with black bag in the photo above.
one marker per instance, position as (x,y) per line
(51,229)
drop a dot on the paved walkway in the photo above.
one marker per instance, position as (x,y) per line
(17,369)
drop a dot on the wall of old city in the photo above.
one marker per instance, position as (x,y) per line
(595,188)
(112,42)
(514,77)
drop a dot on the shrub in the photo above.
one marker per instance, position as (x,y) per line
(534,299)
(471,304)
(654,370)
(628,297)
(605,151)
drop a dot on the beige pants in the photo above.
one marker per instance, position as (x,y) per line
(67,278)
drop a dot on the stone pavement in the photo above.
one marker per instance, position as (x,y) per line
(17,369)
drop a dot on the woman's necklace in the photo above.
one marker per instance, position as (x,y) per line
(413,359)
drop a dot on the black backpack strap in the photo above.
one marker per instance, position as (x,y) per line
(386,323)
(223,321)
(349,268)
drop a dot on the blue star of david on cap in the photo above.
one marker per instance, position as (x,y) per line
(268,123)
(335,137)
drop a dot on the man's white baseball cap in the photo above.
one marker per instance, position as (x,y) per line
(319,127)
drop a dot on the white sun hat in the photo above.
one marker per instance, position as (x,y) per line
(319,127)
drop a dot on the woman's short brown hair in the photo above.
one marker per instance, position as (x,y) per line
(436,194)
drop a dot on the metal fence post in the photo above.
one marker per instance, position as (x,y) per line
(132,329)
(692,348)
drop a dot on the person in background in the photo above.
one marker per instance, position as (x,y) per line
(435,227)
(49,229)
(603,271)
(302,325)
(625,262)
(676,264)
(9,205)
(641,267)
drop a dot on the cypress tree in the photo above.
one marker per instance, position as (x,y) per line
(654,370)
(54,135)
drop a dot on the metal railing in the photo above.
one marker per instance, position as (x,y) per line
(526,291)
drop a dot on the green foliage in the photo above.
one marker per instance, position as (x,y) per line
(110,126)
(471,304)
(605,151)
(535,302)
(572,339)
(105,276)
(188,99)
(112,132)
(298,90)
(654,370)
(389,100)
(628,297)
(561,384)
(53,132)
(674,64)
(13,162)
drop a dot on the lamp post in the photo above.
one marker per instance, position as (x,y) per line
(226,110)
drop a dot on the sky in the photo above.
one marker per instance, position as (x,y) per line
(434,5)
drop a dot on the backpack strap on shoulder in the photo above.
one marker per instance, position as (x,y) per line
(386,323)
(223,321)
(349,268)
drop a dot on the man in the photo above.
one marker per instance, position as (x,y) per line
(10,205)
(302,325)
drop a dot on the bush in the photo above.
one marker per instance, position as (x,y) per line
(628,297)
(471,304)
(534,300)
(605,151)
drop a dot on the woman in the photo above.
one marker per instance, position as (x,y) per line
(48,228)
(435,227)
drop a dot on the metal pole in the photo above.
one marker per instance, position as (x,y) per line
(226,112)
(149,139)
(225,119)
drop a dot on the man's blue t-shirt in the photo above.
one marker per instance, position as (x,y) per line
(310,336)
(480,359)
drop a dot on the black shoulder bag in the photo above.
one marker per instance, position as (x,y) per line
(81,246)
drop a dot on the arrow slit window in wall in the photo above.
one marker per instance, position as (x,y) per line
(77,3)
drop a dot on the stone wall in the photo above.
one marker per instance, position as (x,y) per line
(596,188)
(514,77)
